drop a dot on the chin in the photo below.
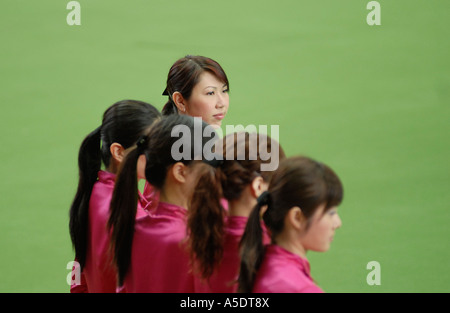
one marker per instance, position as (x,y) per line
(324,248)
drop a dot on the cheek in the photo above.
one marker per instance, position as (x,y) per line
(227,100)
(205,108)
(201,106)
(319,237)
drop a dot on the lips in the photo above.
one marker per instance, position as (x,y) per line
(219,116)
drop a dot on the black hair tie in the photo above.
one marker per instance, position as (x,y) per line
(264,198)
(216,162)
(142,144)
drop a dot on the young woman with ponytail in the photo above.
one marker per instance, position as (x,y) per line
(122,125)
(240,178)
(150,252)
(301,215)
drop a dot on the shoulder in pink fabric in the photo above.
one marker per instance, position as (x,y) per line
(160,260)
(99,275)
(284,272)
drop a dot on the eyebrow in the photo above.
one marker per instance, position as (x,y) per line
(224,85)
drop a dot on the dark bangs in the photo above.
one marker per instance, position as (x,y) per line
(209,65)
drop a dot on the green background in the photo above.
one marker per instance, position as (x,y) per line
(372,102)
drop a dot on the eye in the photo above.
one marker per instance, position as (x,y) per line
(210,93)
(332,212)
(226,90)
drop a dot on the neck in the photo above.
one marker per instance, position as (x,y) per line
(113,166)
(287,242)
(173,196)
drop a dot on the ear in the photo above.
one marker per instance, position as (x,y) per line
(117,152)
(296,218)
(258,186)
(179,101)
(179,172)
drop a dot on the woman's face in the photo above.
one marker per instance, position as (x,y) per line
(319,235)
(209,100)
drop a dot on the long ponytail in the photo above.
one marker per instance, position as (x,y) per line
(206,222)
(252,247)
(89,163)
(123,211)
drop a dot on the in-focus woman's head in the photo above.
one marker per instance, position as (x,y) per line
(197,86)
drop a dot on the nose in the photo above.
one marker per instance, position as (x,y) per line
(221,100)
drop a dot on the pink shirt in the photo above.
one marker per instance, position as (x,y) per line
(150,192)
(284,272)
(160,260)
(224,279)
(99,274)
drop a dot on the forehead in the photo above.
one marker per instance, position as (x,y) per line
(208,79)
(322,210)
